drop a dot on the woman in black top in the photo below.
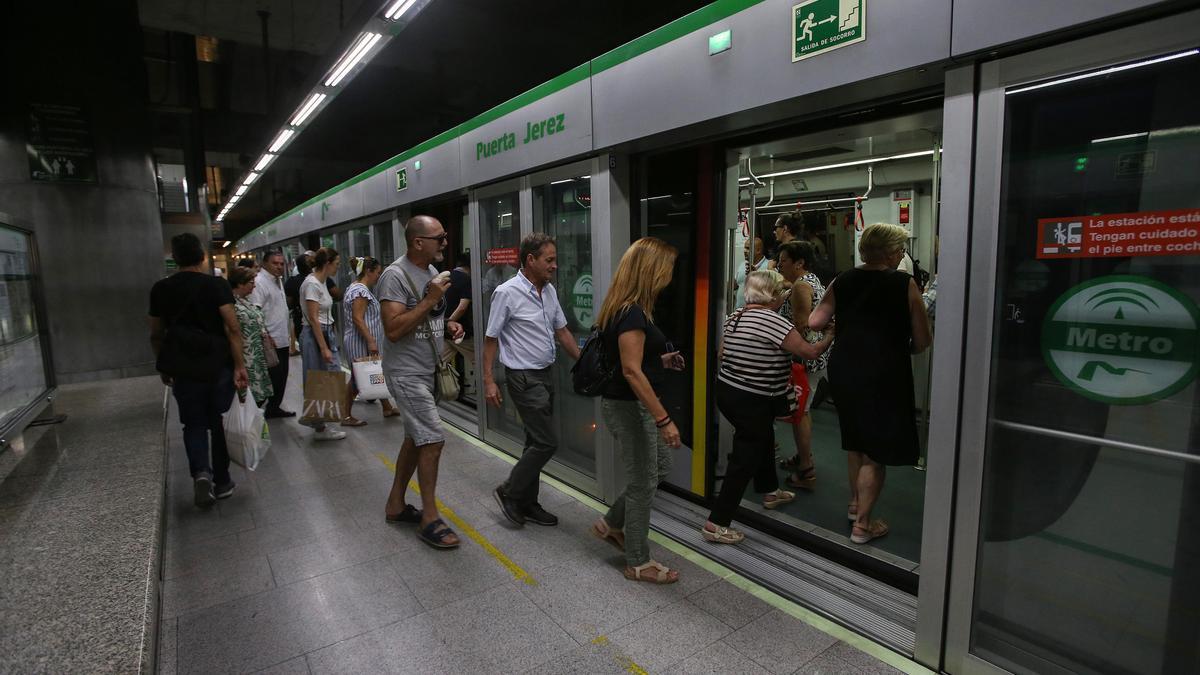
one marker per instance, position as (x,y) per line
(630,406)
(881,322)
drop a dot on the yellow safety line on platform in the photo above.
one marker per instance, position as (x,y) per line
(466,529)
(759,591)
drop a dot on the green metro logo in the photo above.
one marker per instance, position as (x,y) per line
(1124,340)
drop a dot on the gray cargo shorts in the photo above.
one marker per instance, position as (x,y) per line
(414,396)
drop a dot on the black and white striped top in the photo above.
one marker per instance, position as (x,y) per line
(753,359)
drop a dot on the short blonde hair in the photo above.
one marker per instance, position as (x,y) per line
(881,241)
(764,287)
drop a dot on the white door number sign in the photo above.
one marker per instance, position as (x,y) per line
(1124,340)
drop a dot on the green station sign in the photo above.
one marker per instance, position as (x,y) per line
(821,25)
(534,131)
(1123,340)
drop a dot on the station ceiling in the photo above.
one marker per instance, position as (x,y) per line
(456,59)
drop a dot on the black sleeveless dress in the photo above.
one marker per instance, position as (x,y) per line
(870,367)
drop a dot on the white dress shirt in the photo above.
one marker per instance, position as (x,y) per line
(268,294)
(524,323)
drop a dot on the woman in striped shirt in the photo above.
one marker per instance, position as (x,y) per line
(364,330)
(756,352)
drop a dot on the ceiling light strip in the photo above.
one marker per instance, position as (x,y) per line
(281,140)
(398,9)
(307,109)
(841,165)
(351,59)
(264,161)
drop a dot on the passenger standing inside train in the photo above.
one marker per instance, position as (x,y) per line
(630,402)
(318,349)
(523,324)
(203,305)
(269,296)
(795,264)
(363,333)
(881,322)
(412,305)
(788,227)
(752,382)
(458,308)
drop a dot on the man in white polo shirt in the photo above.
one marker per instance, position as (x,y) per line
(524,321)
(268,294)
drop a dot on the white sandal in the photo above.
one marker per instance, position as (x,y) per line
(722,535)
(661,573)
(781,497)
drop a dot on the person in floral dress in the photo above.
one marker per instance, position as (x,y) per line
(253,324)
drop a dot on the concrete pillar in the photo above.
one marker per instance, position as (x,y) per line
(100,242)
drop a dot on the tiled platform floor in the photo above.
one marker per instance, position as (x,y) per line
(298,573)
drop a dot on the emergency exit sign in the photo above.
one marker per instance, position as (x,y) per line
(819,26)
(401,178)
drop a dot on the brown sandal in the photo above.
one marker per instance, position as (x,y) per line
(605,532)
(661,573)
(875,530)
(353,422)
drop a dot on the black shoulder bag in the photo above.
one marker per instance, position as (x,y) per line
(594,369)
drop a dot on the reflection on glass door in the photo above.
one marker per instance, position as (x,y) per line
(499,240)
(22,364)
(1088,559)
(562,209)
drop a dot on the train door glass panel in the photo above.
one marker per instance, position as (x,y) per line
(454,216)
(1087,559)
(22,362)
(360,242)
(666,207)
(562,209)
(500,239)
(385,248)
(832,184)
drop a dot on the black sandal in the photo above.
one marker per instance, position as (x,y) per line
(435,534)
(803,479)
(410,514)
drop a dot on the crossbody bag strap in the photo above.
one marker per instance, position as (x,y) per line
(429,325)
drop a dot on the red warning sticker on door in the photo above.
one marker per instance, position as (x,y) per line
(501,256)
(1120,235)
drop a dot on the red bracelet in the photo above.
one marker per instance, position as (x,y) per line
(663,422)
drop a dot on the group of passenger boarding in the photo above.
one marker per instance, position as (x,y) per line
(786,322)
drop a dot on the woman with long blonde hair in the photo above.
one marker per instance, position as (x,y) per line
(630,406)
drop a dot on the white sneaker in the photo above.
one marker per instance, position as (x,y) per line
(330,434)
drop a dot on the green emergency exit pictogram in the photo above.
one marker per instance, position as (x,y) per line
(401,178)
(1124,340)
(821,25)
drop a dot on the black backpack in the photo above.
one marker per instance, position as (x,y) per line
(594,369)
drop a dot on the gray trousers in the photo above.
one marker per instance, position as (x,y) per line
(532,391)
(647,461)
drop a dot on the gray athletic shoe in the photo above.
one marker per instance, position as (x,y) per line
(202,491)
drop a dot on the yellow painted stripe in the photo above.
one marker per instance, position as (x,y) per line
(699,398)
(768,596)
(469,531)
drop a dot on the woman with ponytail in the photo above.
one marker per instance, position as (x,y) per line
(364,331)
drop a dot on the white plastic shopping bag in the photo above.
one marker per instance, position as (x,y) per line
(368,378)
(246,433)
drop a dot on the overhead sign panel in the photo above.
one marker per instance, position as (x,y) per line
(819,26)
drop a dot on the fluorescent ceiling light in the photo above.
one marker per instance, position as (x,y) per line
(281,140)
(398,9)
(264,161)
(352,57)
(251,178)
(648,199)
(227,243)
(1106,71)
(1121,137)
(857,162)
(241,191)
(307,109)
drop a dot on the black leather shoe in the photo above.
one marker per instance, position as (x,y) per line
(509,507)
(534,513)
(273,414)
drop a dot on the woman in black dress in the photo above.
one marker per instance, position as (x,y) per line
(881,322)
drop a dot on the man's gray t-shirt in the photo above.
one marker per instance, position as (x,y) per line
(411,354)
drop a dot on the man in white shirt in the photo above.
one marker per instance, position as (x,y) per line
(525,320)
(268,294)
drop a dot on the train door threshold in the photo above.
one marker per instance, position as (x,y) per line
(860,603)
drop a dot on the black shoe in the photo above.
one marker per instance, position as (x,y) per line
(202,492)
(509,507)
(534,513)
(273,414)
(224,491)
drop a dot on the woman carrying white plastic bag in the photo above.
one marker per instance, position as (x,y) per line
(246,433)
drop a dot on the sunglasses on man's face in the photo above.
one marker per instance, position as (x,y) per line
(441,239)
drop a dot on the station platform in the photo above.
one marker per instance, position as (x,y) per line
(297,572)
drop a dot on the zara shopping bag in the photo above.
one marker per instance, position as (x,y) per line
(324,393)
(368,378)
(246,432)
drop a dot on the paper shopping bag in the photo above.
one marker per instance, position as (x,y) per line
(324,394)
(368,378)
